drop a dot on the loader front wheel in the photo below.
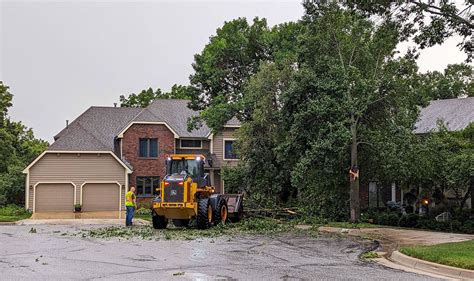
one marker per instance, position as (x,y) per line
(220,212)
(159,222)
(204,215)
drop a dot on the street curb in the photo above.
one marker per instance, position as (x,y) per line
(431,267)
(7,223)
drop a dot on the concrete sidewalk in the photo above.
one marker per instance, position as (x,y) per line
(392,239)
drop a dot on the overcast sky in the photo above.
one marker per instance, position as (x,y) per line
(60,57)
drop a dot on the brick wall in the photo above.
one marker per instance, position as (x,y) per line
(147,166)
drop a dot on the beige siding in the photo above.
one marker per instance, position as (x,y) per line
(216,181)
(218,146)
(75,168)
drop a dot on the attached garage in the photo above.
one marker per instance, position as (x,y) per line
(57,180)
(54,197)
(101,197)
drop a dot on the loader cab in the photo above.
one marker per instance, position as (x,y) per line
(187,166)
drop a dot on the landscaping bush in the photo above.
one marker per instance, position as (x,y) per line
(467,227)
(143,211)
(409,220)
(13,210)
(462,222)
(387,219)
(144,205)
(13,213)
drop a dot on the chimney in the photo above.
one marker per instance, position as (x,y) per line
(67,124)
(115,104)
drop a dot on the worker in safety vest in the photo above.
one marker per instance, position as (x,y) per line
(130,204)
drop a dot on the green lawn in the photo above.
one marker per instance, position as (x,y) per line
(460,254)
(11,213)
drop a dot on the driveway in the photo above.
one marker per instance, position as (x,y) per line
(53,253)
(393,239)
(82,215)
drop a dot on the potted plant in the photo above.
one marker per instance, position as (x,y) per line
(77,208)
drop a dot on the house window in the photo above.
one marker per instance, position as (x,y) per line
(191,144)
(229,150)
(148,148)
(148,186)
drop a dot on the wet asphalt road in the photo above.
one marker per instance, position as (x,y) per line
(49,255)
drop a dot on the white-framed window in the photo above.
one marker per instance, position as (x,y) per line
(193,144)
(229,150)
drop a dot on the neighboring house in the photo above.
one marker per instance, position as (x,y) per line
(106,150)
(456,114)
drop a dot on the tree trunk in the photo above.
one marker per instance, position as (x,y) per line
(354,186)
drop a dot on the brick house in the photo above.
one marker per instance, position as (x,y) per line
(106,150)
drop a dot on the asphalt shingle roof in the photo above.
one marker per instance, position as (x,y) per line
(175,113)
(456,114)
(233,122)
(95,129)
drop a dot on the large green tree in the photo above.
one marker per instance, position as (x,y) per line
(18,147)
(428,22)
(457,80)
(232,56)
(347,88)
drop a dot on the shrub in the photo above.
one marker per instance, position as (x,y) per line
(143,211)
(467,227)
(388,219)
(409,220)
(13,210)
(144,205)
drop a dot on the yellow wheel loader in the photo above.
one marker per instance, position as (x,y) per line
(186,194)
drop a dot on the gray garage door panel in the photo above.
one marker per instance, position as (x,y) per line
(100,197)
(56,197)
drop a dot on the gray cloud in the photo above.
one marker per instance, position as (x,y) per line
(60,57)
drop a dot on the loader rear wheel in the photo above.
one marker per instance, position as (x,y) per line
(221,212)
(181,222)
(159,222)
(204,215)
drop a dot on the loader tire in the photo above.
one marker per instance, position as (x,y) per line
(159,222)
(221,212)
(204,215)
(181,222)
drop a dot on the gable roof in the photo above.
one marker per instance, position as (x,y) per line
(175,113)
(456,114)
(95,129)
(233,122)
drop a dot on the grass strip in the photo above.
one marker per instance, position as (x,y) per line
(458,254)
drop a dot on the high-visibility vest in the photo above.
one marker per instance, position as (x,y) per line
(129,196)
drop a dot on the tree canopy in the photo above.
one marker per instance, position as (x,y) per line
(145,97)
(18,147)
(319,98)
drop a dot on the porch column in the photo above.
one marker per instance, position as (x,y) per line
(394,192)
